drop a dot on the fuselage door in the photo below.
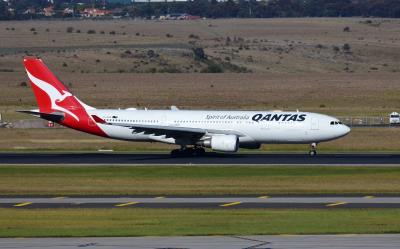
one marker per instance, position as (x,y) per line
(314,124)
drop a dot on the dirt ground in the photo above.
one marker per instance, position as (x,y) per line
(310,64)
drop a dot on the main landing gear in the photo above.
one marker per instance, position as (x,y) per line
(185,151)
(313,149)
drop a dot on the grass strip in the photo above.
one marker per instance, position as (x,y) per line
(189,180)
(168,222)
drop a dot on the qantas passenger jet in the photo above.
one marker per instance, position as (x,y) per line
(223,131)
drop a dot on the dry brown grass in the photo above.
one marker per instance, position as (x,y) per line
(291,70)
(341,94)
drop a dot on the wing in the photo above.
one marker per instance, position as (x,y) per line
(176,132)
(167,131)
(170,131)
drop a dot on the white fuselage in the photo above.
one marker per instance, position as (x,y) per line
(252,127)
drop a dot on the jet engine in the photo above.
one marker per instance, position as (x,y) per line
(224,143)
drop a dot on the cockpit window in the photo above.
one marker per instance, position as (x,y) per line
(336,123)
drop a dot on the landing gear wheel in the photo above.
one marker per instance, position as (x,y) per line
(176,153)
(199,151)
(313,149)
(185,152)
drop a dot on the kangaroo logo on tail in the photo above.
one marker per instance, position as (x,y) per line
(54,95)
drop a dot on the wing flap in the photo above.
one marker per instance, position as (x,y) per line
(167,131)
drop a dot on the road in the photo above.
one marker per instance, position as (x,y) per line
(209,159)
(202,202)
(384,241)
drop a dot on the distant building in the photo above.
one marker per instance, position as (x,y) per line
(30,11)
(49,11)
(93,12)
(68,11)
(179,16)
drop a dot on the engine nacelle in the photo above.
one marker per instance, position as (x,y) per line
(224,143)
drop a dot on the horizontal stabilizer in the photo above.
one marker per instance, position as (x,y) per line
(55,116)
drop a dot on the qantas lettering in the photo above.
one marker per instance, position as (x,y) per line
(279,117)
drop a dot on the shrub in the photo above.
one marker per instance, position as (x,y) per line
(152,70)
(212,68)
(112,32)
(78,31)
(170,69)
(168,35)
(336,48)
(199,54)
(151,53)
(227,41)
(346,29)
(65,64)
(70,29)
(32,29)
(23,84)
(91,31)
(346,47)
(192,36)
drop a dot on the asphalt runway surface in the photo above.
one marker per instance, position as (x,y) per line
(203,202)
(209,159)
(350,241)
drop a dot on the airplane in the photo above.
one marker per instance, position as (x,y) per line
(192,130)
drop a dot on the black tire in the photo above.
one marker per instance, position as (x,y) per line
(200,151)
(175,153)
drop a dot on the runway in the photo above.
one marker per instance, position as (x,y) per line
(203,202)
(208,159)
(350,241)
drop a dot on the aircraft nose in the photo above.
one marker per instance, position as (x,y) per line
(346,130)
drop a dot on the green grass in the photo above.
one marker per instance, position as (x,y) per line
(168,222)
(185,180)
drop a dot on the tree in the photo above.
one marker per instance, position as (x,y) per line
(3,10)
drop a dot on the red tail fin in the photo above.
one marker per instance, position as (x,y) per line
(53,96)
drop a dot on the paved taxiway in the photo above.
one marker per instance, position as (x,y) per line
(210,159)
(203,202)
(385,241)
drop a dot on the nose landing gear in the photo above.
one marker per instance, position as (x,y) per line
(313,149)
